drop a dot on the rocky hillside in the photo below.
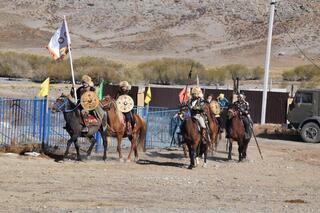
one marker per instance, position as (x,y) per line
(213,32)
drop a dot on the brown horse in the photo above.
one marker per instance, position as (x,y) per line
(192,137)
(116,128)
(236,131)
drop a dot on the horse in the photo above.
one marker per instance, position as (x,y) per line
(192,136)
(116,128)
(236,131)
(73,118)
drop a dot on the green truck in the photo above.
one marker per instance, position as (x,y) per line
(304,114)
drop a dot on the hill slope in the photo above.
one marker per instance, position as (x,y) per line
(214,32)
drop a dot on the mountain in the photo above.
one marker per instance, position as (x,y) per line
(214,32)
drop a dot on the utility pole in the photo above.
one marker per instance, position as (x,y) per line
(267,63)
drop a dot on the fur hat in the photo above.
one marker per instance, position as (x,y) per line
(196,91)
(125,85)
(221,96)
(86,79)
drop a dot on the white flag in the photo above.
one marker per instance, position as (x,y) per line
(198,83)
(58,45)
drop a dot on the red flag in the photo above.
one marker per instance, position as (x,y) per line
(183,96)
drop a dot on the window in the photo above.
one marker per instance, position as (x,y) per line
(306,98)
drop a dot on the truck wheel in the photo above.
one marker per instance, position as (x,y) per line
(310,132)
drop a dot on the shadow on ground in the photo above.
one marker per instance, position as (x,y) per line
(157,163)
(293,138)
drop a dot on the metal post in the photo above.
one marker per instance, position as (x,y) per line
(147,135)
(267,64)
(70,57)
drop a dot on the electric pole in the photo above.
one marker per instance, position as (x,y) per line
(267,63)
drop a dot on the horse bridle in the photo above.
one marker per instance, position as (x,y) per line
(65,101)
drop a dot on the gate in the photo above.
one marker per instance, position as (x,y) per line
(23,121)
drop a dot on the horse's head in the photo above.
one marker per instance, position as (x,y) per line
(61,104)
(232,111)
(107,102)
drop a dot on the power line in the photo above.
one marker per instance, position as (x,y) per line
(296,45)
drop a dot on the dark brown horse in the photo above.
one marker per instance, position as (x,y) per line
(116,128)
(192,137)
(236,131)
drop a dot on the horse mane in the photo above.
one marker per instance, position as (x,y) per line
(118,112)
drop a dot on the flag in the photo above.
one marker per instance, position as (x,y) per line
(183,96)
(100,90)
(147,99)
(58,45)
(44,88)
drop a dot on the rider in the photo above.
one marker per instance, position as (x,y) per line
(87,85)
(124,89)
(196,104)
(223,103)
(243,108)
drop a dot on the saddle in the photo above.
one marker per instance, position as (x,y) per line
(89,119)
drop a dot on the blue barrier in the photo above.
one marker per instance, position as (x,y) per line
(31,121)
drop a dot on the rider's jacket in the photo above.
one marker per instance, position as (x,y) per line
(243,107)
(196,105)
(122,92)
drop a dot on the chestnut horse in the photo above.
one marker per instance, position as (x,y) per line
(236,131)
(116,128)
(192,137)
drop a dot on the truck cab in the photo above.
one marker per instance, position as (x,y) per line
(304,114)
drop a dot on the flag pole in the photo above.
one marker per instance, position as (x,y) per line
(70,57)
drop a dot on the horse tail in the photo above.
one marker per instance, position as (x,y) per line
(142,135)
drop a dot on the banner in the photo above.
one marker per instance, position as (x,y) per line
(44,88)
(58,45)
(148,96)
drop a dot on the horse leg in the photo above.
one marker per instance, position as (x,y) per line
(185,152)
(70,141)
(105,147)
(240,150)
(205,153)
(119,139)
(76,145)
(93,142)
(191,156)
(134,147)
(245,147)
(230,148)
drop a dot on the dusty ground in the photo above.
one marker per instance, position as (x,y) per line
(287,180)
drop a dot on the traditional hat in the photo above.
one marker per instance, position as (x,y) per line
(221,96)
(125,85)
(196,91)
(87,79)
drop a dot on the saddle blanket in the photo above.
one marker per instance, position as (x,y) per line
(90,120)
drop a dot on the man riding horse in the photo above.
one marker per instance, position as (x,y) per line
(243,109)
(124,89)
(88,86)
(196,104)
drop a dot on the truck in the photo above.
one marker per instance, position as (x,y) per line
(304,114)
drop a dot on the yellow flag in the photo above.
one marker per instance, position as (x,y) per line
(147,99)
(44,88)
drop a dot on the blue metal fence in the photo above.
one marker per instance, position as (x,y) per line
(31,121)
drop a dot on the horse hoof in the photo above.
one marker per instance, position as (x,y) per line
(88,157)
(136,159)
(128,160)
(121,160)
(190,166)
(204,165)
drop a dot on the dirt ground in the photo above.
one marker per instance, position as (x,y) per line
(287,180)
